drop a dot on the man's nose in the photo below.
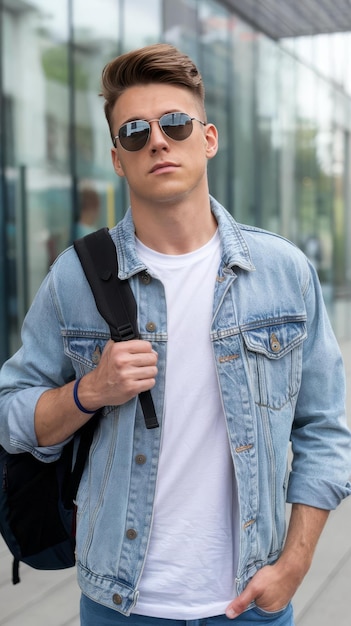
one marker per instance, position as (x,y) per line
(157,136)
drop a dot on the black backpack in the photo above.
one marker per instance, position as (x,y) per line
(37,511)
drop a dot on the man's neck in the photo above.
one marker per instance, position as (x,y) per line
(174,228)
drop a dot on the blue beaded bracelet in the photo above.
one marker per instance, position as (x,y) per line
(76,399)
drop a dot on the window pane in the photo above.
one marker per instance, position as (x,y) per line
(268,135)
(142,24)
(242,136)
(35,74)
(215,64)
(98,199)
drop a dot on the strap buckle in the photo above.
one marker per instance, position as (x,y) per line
(126,332)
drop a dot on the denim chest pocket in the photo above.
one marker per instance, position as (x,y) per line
(274,354)
(85,351)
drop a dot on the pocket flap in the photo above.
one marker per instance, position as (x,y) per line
(275,340)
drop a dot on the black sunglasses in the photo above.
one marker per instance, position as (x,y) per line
(134,135)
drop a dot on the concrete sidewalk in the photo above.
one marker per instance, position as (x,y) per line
(52,598)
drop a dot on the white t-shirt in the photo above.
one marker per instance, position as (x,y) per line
(191,562)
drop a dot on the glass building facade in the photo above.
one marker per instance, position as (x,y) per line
(282,107)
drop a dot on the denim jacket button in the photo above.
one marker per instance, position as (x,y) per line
(145,278)
(140,459)
(117,599)
(275,344)
(151,327)
(96,356)
(132,533)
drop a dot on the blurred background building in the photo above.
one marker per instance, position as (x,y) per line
(278,84)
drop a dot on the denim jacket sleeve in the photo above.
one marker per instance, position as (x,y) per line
(321,440)
(40,364)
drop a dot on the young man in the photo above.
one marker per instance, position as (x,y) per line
(185,523)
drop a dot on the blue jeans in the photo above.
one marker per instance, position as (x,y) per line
(94,614)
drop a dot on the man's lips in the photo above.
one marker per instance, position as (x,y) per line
(162,166)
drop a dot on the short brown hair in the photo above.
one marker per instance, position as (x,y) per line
(158,63)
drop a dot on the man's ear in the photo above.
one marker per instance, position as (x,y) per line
(211,140)
(117,166)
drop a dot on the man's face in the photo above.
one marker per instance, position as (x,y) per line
(164,170)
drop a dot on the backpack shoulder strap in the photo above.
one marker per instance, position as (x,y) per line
(97,254)
(113,297)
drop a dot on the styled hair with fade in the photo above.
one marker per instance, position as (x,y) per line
(158,63)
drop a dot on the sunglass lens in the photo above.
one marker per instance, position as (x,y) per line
(134,135)
(177,126)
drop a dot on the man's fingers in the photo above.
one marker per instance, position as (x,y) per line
(136,346)
(240,604)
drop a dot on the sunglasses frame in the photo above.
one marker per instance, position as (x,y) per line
(148,122)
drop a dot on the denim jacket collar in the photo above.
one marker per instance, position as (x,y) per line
(235,251)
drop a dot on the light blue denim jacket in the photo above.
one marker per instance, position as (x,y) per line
(280,376)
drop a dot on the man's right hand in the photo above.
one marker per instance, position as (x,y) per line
(125,369)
